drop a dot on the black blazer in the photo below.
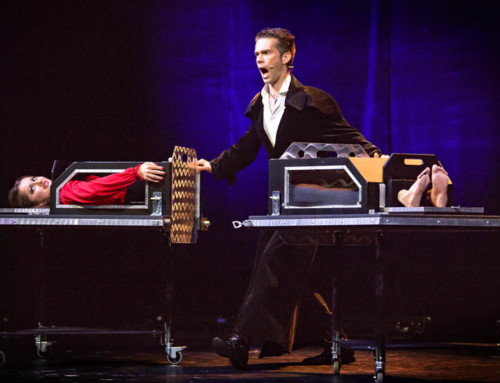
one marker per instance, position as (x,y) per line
(311,115)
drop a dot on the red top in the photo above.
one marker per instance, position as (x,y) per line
(109,190)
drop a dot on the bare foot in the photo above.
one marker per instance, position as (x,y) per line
(412,197)
(439,191)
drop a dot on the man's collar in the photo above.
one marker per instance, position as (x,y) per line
(296,96)
(284,87)
(286,84)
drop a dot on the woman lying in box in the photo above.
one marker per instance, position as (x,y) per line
(34,191)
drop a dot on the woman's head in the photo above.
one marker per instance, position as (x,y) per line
(30,191)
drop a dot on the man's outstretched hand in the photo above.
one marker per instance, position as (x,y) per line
(204,165)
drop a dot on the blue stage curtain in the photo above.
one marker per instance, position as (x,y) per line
(92,80)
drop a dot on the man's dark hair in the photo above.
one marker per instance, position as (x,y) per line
(16,199)
(286,41)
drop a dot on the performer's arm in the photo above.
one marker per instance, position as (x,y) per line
(347,134)
(231,161)
(328,123)
(338,131)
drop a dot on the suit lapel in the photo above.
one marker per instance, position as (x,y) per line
(260,126)
(296,99)
(281,133)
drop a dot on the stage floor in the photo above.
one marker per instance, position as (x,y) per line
(124,363)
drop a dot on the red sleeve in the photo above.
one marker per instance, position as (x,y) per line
(99,190)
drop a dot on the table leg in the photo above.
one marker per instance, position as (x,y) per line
(379,355)
(174,353)
(42,344)
(335,272)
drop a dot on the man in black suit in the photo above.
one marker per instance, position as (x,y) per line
(283,112)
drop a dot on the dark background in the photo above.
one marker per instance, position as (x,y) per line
(127,80)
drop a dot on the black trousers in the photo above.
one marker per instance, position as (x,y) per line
(270,308)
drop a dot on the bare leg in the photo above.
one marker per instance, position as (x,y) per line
(412,197)
(439,191)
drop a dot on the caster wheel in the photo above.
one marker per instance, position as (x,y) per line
(176,360)
(379,377)
(336,367)
(44,354)
(43,347)
(3,358)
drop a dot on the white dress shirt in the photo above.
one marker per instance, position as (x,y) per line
(274,109)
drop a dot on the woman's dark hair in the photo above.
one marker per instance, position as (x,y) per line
(286,41)
(16,198)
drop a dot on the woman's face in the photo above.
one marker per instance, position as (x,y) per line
(37,189)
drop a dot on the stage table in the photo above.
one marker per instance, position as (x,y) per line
(171,208)
(338,230)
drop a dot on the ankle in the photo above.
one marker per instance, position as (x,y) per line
(239,337)
(438,199)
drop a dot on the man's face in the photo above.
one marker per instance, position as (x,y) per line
(268,60)
(37,189)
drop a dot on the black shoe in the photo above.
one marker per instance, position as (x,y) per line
(235,348)
(325,358)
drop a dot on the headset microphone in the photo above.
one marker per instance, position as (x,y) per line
(274,66)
